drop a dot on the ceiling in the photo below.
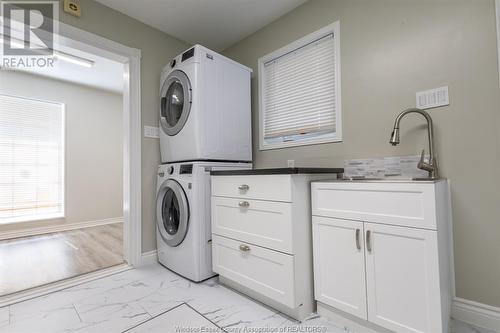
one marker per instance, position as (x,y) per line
(104,74)
(216,24)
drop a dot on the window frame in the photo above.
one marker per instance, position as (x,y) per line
(62,213)
(334,29)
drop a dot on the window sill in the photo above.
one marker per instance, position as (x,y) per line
(298,143)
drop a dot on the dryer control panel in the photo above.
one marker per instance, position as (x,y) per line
(186,169)
(188,54)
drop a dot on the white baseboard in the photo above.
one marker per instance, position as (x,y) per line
(60,285)
(57,228)
(150,257)
(475,313)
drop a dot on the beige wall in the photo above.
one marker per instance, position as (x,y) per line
(93,146)
(157,50)
(391,49)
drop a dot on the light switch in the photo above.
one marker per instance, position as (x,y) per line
(433,98)
(151,132)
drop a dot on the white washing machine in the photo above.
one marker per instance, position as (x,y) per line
(184,236)
(205,108)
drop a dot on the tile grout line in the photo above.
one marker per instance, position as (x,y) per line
(77,313)
(153,317)
(201,314)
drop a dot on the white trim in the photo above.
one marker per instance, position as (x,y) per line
(60,285)
(497,11)
(131,58)
(450,244)
(475,313)
(327,138)
(150,257)
(57,228)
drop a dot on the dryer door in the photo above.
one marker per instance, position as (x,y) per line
(175,103)
(172,212)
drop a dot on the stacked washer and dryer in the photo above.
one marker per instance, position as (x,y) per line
(205,124)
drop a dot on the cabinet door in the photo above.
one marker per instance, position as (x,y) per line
(402,277)
(339,264)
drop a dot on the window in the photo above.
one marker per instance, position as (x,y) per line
(299,88)
(31,159)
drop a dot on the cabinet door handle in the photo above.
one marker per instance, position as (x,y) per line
(369,241)
(244,204)
(358,244)
(244,248)
(243,187)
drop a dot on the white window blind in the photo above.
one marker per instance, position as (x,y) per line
(31,159)
(299,92)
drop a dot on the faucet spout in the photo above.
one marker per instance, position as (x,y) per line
(431,166)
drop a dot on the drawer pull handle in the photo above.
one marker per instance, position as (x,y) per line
(244,248)
(244,204)
(369,241)
(358,244)
(243,187)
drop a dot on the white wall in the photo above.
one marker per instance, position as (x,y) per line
(94,162)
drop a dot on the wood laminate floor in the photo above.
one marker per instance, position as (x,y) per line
(37,260)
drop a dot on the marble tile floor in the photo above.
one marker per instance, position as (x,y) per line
(153,299)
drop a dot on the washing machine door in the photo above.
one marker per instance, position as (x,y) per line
(175,103)
(172,212)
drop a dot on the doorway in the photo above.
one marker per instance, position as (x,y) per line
(83,41)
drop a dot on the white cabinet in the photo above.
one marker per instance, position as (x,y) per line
(339,261)
(261,238)
(402,278)
(265,271)
(266,223)
(384,262)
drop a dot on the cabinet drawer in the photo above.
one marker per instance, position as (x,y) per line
(405,204)
(260,187)
(265,271)
(264,223)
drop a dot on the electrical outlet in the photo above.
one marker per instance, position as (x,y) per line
(73,8)
(151,132)
(433,98)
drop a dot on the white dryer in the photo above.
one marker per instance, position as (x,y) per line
(205,108)
(183,217)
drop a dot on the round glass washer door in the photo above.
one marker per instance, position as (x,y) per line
(175,103)
(172,211)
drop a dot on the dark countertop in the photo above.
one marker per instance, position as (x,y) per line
(278,171)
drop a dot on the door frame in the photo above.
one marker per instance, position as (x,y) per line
(132,141)
(132,133)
